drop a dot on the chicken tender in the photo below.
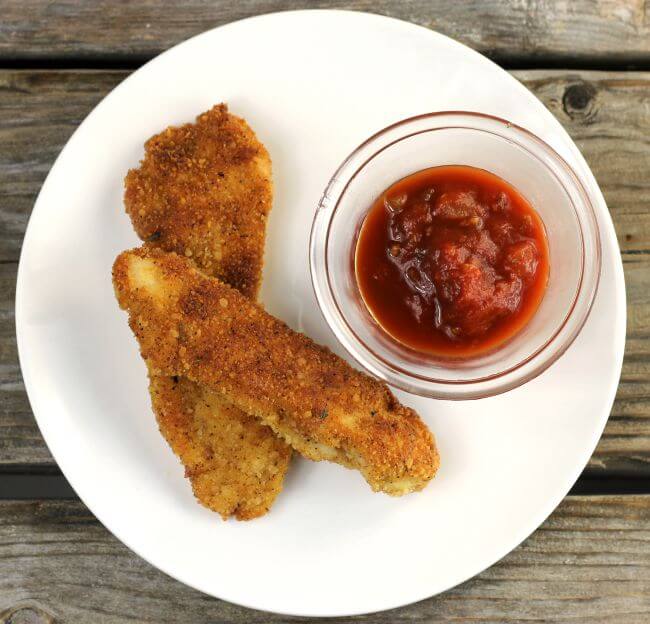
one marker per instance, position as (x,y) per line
(193,326)
(204,190)
(235,463)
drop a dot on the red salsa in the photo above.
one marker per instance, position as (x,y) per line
(452,261)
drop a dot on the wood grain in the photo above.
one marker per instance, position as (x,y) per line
(590,562)
(607,113)
(607,32)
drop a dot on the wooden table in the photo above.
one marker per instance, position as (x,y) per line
(589,562)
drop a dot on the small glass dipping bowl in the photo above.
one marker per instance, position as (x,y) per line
(510,152)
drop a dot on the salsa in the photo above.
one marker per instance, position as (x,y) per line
(452,261)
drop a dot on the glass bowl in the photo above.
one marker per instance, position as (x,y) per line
(510,152)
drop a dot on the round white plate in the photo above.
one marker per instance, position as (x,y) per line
(313,85)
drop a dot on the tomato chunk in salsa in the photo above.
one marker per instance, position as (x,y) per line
(452,261)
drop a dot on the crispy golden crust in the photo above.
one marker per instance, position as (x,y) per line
(191,325)
(204,190)
(235,463)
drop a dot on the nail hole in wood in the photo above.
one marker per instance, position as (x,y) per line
(578,101)
(26,615)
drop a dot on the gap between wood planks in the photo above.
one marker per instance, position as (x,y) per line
(133,62)
(53,485)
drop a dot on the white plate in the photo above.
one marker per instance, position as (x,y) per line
(313,85)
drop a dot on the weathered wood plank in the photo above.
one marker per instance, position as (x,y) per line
(590,562)
(606,113)
(39,112)
(20,440)
(604,31)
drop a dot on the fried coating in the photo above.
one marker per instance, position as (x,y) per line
(204,190)
(190,325)
(235,463)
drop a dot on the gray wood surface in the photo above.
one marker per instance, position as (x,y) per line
(590,562)
(603,32)
(606,113)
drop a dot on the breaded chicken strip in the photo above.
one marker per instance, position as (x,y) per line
(205,190)
(235,463)
(190,325)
